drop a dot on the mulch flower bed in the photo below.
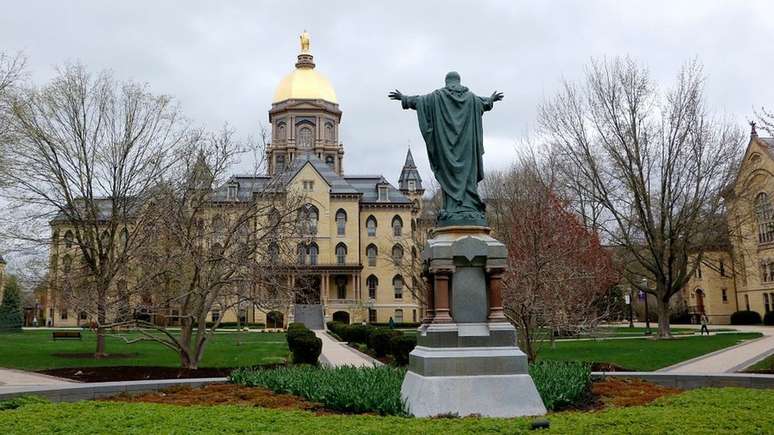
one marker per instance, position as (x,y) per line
(628,392)
(222,394)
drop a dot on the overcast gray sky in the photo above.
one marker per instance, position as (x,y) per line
(222,60)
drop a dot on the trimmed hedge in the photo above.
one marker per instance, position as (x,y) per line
(768,319)
(304,345)
(403,325)
(401,346)
(379,341)
(745,318)
(355,333)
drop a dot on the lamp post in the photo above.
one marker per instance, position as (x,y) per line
(644,296)
(628,299)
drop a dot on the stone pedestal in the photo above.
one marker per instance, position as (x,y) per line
(466,361)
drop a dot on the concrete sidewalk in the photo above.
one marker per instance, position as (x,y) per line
(11,379)
(733,358)
(335,353)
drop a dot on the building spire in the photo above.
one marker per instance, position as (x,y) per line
(409,180)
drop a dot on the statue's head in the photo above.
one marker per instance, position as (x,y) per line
(452,78)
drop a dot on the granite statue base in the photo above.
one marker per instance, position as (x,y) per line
(469,369)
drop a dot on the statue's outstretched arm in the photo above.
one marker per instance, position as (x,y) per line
(407,101)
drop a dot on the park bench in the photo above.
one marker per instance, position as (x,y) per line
(66,335)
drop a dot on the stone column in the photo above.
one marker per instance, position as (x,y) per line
(429,300)
(441,297)
(496,313)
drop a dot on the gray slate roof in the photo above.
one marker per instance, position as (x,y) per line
(409,173)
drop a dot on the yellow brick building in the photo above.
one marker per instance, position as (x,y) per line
(361,250)
(739,275)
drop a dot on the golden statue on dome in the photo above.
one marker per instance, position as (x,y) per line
(305,42)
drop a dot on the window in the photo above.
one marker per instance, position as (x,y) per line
(313,252)
(280,166)
(341,222)
(341,253)
(308,216)
(397,254)
(412,185)
(747,302)
(764,215)
(383,196)
(308,185)
(329,131)
(301,251)
(215,315)
(698,270)
(63,314)
(398,316)
(218,227)
(397,285)
(68,239)
(397,226)
(414,315)
(242,315)
(722,268)
(83,315)
(124,238)
(766,302)
(371,315)
(281,130)
(305,137)
(330,161)
(371,226)
(372,252)
(373,283)
(273,251)
(232,191)
(67,263)
(724,295)
(341,288)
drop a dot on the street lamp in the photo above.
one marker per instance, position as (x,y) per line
(644,295)
(628,299)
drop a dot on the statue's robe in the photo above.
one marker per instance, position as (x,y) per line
(450,122)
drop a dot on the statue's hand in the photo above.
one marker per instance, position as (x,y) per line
(496,96)
(395,95)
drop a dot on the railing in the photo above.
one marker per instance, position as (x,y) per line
(344,302)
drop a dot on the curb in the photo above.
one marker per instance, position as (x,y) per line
(688,381)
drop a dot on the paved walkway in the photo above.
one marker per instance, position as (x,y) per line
(731,359)
(337,354)
(11,379)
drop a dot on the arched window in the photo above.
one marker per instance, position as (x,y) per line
(68,239)
(304,137)
(398,315)
(273,251)
(218,227)
(314,251)
(301,253)
(764,216)
(67,263)
(373,283)
(372,252)
(280,131)
(341,253)
(308,216)
(329,132)
(330,161)
(341,288)
(371,226)
(397,285)
(397,253)
(280,165)
(341,222)
(397,226)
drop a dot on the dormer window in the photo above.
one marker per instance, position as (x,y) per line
(383,196)
(232,191)
(412,185)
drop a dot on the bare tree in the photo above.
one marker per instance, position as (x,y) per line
(12,70)
(220,245)
(655,162)
(558,273)
(86,154)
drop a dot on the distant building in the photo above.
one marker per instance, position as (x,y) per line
(355,262)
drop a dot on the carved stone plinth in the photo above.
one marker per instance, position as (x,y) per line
(466,361)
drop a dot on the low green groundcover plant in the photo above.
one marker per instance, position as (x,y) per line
(18,402)
(377,389)
(705,411)
(562,383)
(347,389)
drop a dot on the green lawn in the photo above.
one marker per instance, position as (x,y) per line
(32,350)
(764,364)
(718,410)
(641,354)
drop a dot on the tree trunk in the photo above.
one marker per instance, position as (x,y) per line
(101,320)
(663,318)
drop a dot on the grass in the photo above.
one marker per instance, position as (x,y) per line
(32,350)
(640,354)
(718,410)
(764,364)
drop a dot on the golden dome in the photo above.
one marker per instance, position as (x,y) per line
(305,82)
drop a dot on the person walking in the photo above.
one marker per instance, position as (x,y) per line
(704,322)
